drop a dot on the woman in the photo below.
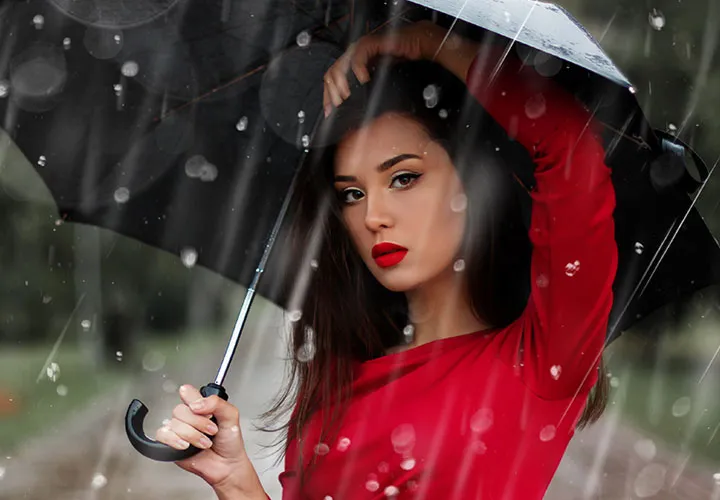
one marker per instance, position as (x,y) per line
(422,235)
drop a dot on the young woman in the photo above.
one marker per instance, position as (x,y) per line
(443,351)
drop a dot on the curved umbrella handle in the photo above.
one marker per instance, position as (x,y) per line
(161,452)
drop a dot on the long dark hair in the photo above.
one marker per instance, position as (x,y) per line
(343,315)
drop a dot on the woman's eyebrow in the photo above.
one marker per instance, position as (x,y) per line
(387,164)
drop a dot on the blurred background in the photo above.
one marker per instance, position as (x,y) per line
(90,320)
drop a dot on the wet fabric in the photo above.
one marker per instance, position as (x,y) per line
(489,414)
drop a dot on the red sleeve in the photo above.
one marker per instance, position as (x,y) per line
(562,331)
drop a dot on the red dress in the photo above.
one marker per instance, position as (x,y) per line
(489,415)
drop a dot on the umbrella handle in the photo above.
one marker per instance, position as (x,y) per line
(152,449)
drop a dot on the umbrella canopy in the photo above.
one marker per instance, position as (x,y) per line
(181,123)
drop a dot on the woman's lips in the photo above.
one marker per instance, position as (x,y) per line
(388,254)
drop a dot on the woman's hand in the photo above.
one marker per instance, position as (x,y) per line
(416,41)
(223,463)
(421,40)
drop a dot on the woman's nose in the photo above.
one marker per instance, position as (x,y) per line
(377,215)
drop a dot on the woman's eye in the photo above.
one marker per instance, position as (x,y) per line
(404,180)
(350,195)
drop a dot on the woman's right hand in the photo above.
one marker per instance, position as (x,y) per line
(223,463)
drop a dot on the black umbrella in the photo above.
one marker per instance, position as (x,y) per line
(181,123)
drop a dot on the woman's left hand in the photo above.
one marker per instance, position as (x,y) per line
(416,41)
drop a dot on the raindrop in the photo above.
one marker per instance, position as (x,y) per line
(85,324)
(301,116)
(242,124)
(46,299)
(392,491)
(409,332)
(314,264)
(130,69)
(478,447)
(169,386)
(117,38)
(535,106)
(122,195)
(555,371)
(459,265)
(188,256)
(208,172)
(407,464)
(235,428)
(681,407)
(119,355)
(343,444)
(322,449)
(572,268)
(4,88)
(482,420)
(403,438)
(632,89)
(118,89)
(98,481)
(542,281)
(306,352)
(646,449)
(295,315)
(547,433)
(62,390)
(507,16)
(443,113)
(716,477)
(614,382)
(194,166)
(153,361)
(39,22)
(672,128)
(67,43)
(42,161)
(431,96)
(650,480)
(639,247)
(2,472)
(458,203)
(656,19)
(305,141)
(303,39)
(328,497)
(372,485)
(53,371)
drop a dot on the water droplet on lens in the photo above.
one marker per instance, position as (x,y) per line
(295,315)
(62,390)
(646,449)
(98,481)
(130,69)
(407,464)
(170,387)
(343,444)
(314,264)
(372,485)
(153,361)
(86,324)
(681,407)
(303,39)
(322,449)
(431,96)
(478,447)
(650,480)
(656,19)
(391,491)
(242,124)
(403,438)
(555,371)
(189,257)
(547,433)
(384,467)
(208,172)
(535,106)
(639,247)
(122,195)
(443,113)
(572,268)
(306,352)
(482,420)
(614,382)
(459,265)
(542,281)
(458,203)
(53,371)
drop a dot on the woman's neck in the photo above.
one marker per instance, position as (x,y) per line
(442,309)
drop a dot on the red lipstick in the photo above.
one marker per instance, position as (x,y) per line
(388,254)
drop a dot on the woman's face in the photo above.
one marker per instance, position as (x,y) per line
(401,194)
